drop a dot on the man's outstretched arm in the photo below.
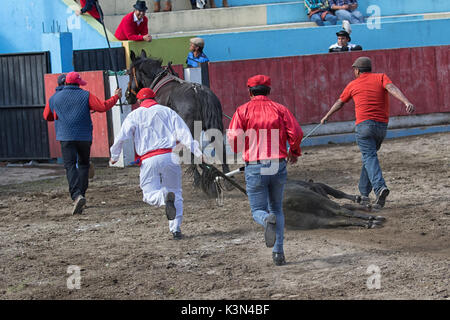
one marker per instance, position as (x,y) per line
(392,89)
(336,106)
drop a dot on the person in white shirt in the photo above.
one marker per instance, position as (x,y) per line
(156,130)
(343,43)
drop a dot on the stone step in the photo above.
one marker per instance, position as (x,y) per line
(122,7)
(219,18)
(193,33)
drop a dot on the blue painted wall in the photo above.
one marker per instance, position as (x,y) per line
(22,26)
(388,7)
(302,41)
(295,11)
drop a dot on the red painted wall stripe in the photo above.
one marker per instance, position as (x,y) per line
(309,85)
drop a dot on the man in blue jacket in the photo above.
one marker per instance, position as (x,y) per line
(196,55)
(70,109)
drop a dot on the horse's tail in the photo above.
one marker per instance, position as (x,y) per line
(211,110)
(211,115)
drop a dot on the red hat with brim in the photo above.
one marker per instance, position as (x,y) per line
(145,93)
(74,78)
(258,80)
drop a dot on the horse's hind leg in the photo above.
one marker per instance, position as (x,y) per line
(226,168)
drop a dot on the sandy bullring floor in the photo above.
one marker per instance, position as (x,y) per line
(123,249)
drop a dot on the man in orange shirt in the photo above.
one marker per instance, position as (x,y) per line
(370,94)
(260,129)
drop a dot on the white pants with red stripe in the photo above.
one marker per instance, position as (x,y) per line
(160,175)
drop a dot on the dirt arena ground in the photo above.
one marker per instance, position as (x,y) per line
(123,250)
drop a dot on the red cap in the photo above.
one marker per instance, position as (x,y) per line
(74,78)
(145,93)
(258,80)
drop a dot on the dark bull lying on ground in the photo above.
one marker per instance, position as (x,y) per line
(306,205)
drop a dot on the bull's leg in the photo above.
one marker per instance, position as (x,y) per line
(346,223)
(369,224)
(359,215)
(337,193)
(367,208)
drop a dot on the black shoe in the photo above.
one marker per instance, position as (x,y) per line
(269,232)
(177,235)
(278,258)
(381,198)
(80,201)
(171,211)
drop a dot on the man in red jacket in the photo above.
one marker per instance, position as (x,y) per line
(90,6)
(261,129)
(134,26)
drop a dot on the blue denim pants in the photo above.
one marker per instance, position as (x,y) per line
(265,188)
(76,153)
(369,137)
(354,16)
(332,19)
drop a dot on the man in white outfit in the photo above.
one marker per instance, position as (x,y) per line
(156,130)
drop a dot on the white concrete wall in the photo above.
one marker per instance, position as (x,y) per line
(121,7)
(118,116)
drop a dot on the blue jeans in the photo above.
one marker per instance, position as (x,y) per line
(332,19)
(369,137)
(265,188)
(352,16)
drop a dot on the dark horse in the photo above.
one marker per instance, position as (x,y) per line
(195,103)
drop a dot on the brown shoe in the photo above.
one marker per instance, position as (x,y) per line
(79,203)
(168,6)
(156,7)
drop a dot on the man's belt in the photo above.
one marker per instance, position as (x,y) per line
(263,161)
(138,159)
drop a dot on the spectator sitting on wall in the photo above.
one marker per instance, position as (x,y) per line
(196,55)
(319,11)
(201,4)
(346,10)
(157,6)
(134,26)
(224,3)
(89,6)
(343,43)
